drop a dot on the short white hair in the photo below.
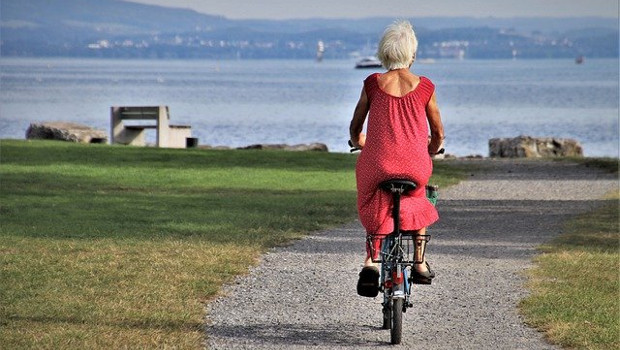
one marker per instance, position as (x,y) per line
(398,45)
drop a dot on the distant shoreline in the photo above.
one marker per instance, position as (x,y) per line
(283,59)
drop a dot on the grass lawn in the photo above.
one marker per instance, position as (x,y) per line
(120,247)
(576,285)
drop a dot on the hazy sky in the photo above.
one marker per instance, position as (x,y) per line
(286,9)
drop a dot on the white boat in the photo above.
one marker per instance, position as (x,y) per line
(320,49)
(368,62)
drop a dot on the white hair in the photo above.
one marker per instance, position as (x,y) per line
(398,45)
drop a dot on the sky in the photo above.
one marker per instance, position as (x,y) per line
(291,9)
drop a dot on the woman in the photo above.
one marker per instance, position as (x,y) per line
(400,107)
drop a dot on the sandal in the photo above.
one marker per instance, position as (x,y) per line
(368,284)
(425,277)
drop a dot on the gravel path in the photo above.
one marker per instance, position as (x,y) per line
(303,296)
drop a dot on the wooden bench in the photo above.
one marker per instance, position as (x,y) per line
(169,136)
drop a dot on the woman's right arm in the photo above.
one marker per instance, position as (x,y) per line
(434,121)
(359,117)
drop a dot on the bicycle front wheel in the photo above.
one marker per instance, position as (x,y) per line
(396,330)
(387,316)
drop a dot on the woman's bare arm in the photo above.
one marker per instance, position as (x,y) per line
(434,121)
(359,117)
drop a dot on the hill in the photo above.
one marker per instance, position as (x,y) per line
(114,28)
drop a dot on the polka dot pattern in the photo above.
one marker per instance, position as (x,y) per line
(396,147)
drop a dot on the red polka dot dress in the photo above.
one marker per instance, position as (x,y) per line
(396,147)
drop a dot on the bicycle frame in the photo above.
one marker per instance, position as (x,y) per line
(396,254)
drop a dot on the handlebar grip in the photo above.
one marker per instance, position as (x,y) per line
(353,148)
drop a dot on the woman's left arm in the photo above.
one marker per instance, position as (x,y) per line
(434,121)
(357,123)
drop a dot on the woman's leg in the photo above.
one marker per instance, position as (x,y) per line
(372,248)
(420,248)
(368,283)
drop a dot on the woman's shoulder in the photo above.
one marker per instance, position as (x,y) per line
(372,77)
(371,82)
(426,80)
(426,84)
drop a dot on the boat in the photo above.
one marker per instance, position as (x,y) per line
(320,49)
(368,62)
(579,59)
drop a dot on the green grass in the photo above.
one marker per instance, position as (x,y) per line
(607,164)
(120,247)
(576,285)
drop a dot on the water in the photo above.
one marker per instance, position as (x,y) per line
(238,103)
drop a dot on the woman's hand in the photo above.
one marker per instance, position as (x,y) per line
(439,150)
(361,141)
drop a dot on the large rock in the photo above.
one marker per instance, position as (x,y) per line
(65,131)
(302,147)
(534,147)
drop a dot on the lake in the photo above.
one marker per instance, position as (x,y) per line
(238,103)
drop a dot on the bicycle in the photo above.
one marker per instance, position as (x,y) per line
(397,256)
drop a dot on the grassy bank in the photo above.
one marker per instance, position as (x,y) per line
(576,284)
(119,247)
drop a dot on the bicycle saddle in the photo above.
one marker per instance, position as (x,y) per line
(398,185)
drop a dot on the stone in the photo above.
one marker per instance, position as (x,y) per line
(65,131)
(474,156)
(320,147)
(534,147)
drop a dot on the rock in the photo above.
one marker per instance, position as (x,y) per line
(320,147)
(65,131)
(474,156)
(534,147)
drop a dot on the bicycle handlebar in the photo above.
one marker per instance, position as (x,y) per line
(355,149)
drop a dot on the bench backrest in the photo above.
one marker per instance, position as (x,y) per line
(140,113)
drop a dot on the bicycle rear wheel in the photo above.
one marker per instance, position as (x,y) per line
(396,330)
